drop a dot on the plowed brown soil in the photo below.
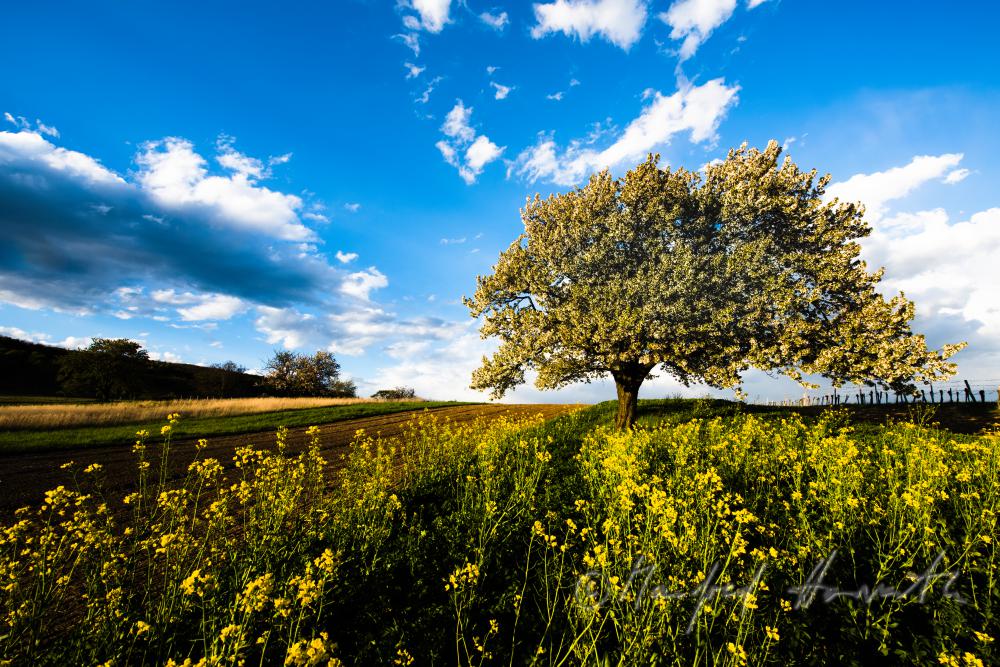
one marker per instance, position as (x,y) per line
(24,477)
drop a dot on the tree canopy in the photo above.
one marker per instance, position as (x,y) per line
(109,368)
(291,374)
(699,275)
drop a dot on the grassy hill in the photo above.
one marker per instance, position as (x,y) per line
(32,369)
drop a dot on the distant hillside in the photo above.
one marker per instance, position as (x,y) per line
(32,369)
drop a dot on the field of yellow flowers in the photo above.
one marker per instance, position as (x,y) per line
(706,536)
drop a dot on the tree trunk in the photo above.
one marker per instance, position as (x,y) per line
(628,397)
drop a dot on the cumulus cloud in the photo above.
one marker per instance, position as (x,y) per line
(697,110)
(21,334)
(461,136)
(948,269)
(432,15)
(346,257)
(877,189)
(618,21)
(176,176)
(694,20)
(75,231)
(361,283)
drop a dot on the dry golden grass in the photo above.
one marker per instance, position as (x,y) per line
(128,412)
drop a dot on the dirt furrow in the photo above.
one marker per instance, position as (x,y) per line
(24,477)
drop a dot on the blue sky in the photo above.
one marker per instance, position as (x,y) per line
(219,180)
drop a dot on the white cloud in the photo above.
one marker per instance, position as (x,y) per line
(411,41)
(956,176)
(353,207)
(412,71)
(480,153)
(491,69)
(168,356)
(495,21)
(455,241)
(433,15)
(947,269)
(46,129)
(407,349)
(21,334)
(248,167)
(557,97)
(425,96)
(501,91)
(74,342)
(361,283)
(751,4)
(346,257)
(176,176)
(697,110)
(694,20)
(479,150)
(31,146)
(618,21)
(22,123)
(456,123)
(199,307)
(878,189)
(350,330)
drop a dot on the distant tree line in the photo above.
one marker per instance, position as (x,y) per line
(117,369)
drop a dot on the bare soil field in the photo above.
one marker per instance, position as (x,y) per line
(24,477)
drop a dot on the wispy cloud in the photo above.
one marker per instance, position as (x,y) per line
(497,21)
(501,91)
(697,110)
(877,189)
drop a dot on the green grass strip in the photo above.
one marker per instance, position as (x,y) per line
(205,427)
